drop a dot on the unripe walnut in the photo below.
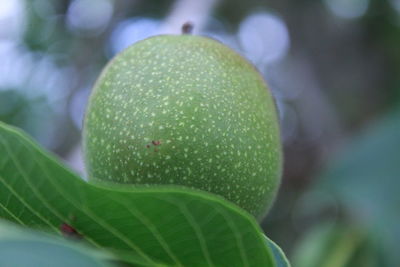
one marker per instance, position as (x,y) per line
(189,111)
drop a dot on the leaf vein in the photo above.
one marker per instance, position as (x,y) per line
(16,218)
(95,218)
(150,226)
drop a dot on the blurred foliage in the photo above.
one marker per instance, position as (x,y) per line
(384,33)
(30,114)
(46,26)
(363,179)
(329,245)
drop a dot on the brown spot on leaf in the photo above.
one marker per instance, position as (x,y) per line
(156,142)
(69,231)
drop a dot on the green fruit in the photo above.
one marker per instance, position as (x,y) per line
(185,110)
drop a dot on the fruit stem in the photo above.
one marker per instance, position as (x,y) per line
(187,28)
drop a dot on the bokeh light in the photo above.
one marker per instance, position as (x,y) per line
(395,4)
(12,19)
(77,106)
(132,30)
(348,9)
(89,16)
(264,37)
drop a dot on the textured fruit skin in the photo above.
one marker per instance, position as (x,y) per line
(185,110)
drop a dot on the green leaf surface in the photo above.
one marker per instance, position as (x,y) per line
(279,255)
(25,248)
(154,226)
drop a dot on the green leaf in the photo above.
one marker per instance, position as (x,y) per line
(146,226)
(279,255)
(21,247)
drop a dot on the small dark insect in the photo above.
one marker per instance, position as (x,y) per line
(148,146)
(156,142)
(69,231)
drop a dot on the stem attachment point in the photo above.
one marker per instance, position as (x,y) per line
(187,28)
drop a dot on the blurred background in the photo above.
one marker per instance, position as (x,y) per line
(333,67)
